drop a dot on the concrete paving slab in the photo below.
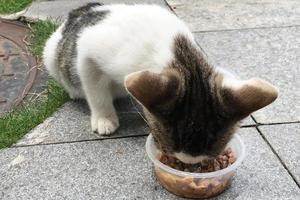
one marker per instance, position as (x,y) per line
(120,169)
(59,9)
(261,176)
(271,54)
(114,169)
(72,123)
(207,15)
(285,139)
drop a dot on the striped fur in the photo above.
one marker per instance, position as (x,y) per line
(78,19)
(197,123)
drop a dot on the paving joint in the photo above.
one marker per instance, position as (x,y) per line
(98,139)
(278,157)
(79,141)
(255,121)
(170,7)
(277,123)
(272,123)
(245,29)
(249,126)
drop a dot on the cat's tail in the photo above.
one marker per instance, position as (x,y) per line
(75,13)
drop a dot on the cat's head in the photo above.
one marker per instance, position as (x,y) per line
(194,110)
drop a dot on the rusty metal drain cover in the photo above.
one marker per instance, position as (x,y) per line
(17,67)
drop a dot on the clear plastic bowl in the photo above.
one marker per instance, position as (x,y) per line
(195,185)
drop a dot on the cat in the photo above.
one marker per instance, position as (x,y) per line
(102,52)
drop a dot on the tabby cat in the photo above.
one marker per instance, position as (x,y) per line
(102,52)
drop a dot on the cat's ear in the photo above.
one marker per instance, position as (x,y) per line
(245,97)
(152,89)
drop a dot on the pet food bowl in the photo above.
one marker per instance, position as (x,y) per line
(195,185)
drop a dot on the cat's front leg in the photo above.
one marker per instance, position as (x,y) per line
(97,89)
(104,119)
(104,123)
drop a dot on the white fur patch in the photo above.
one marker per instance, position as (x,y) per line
(186,158)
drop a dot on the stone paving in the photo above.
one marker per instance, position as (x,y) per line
(62,159)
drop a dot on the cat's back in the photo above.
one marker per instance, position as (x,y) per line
(132,36)
(134,17)
(120,38)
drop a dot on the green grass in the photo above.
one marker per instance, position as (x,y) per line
(41,31)
(22,119)
(12,6)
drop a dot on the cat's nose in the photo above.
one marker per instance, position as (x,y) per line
(186,158)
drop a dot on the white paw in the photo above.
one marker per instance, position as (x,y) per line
(105,126)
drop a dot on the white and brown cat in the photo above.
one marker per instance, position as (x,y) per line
(101,52)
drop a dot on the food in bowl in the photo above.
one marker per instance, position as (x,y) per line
(190,187)
(196,187)
(201,180)
(223,160)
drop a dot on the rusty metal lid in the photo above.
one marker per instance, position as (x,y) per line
(17,66)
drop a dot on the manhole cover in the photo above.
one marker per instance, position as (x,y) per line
(17,66)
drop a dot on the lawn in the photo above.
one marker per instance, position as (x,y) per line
(41,31)
(22,119)
(12,6)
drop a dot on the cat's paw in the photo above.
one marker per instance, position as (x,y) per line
(105,126)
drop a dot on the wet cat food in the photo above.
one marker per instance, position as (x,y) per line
(196,187)
(220,162)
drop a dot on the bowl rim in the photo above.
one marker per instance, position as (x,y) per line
(197,175)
